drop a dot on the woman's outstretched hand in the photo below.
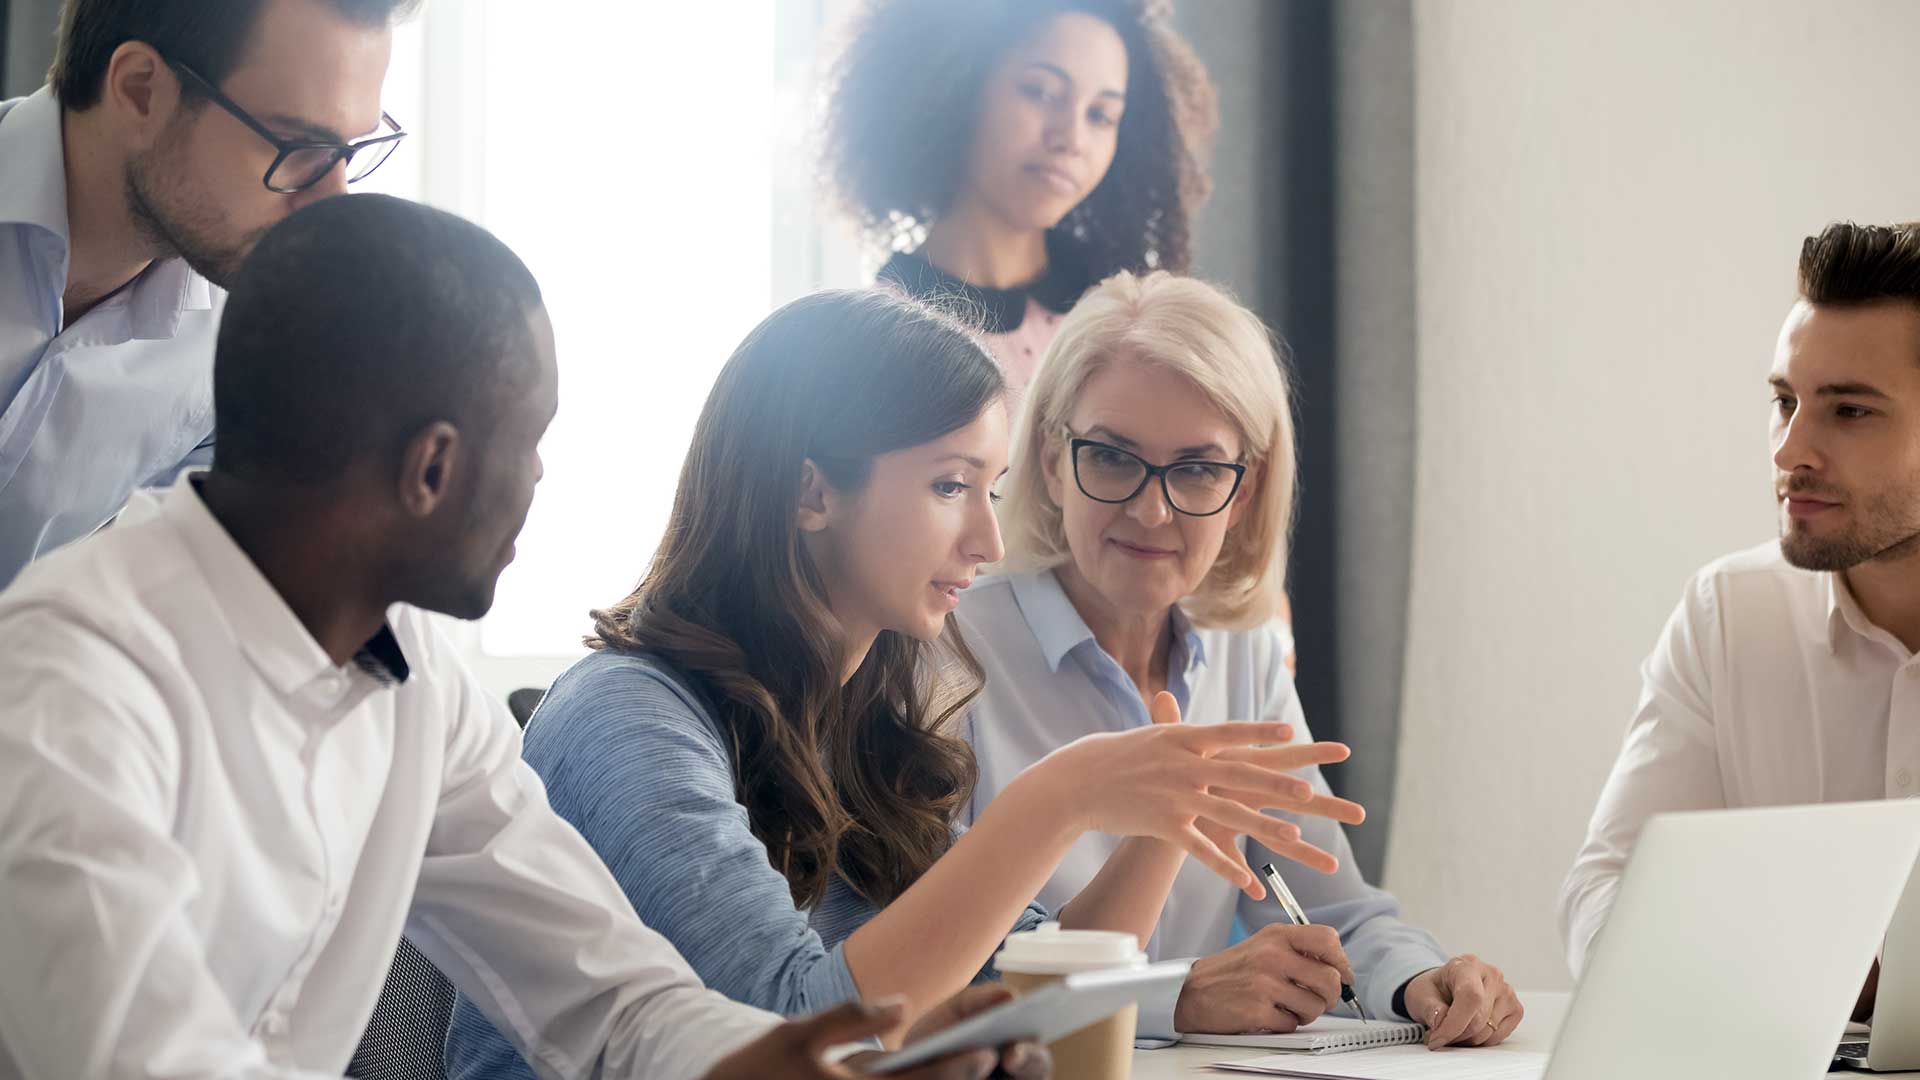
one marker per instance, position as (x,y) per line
(1198,787)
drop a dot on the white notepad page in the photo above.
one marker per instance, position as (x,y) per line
(1402,1063)
(1327,1035)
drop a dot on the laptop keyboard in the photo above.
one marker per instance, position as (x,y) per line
(1854,1051)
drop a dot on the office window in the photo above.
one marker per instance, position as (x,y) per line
(648,162)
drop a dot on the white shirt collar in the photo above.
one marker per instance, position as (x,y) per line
(1844,615)
(264,627)
(33,171)
(1059,629)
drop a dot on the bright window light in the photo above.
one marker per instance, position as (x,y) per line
(653,173)
(635,183)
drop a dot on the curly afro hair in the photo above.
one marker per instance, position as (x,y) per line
(904,101)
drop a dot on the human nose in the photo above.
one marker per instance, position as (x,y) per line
(1795,445)
(1066,130)
(982,543)
(1150,505)
(332,182)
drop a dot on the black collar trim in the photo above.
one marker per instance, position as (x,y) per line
(997,310)
(381,658)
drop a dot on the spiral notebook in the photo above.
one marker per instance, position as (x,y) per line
(1327,1035)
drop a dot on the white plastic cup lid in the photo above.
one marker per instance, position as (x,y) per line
(1049,950)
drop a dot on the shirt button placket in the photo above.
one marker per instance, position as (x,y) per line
(1903,731)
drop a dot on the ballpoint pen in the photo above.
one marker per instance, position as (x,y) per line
(1298,916)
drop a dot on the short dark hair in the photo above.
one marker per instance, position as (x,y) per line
(356,322)
(906,96)
(209,36)
(1856,264)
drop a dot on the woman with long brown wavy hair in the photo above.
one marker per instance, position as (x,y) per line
(763,744)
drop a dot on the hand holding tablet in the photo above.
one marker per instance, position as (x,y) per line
(1047,1014)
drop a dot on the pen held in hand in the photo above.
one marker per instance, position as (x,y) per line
(1298,917)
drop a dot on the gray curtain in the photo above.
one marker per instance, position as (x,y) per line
(1311,223)
(26,44)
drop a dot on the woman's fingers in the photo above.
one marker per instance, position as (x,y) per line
(1287,790)
(1326,806)
(1288,758)
(1165,708)
(1211,738)
(1507,1017)
(1225,861)
(1332,806)
(1275,791)
(1282,837)
(1306,855)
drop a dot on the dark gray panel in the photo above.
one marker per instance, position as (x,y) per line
(27,47)
(1311,224)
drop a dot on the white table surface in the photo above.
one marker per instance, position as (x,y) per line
(1535,1033)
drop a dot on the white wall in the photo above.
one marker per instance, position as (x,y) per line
(1610,198)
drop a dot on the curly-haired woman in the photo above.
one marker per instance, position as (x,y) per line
(1030,148)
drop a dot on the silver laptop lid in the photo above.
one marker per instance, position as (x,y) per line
(1738,942)
(1896,1010)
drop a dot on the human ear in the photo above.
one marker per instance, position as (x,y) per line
(816,499)
(429,466)
(1051,460)
(1248,494)
(141,92)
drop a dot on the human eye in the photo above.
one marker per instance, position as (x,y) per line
(1783,404)
(950,489)
(1034,91)
(1103,119)
(1852,412)
(1203,470)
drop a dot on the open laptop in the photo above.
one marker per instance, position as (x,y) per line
(1895,1041)
(1739,941)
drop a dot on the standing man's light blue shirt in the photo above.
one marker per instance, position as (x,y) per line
(1049,682)
(119,399)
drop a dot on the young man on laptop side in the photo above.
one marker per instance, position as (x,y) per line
(236,761)
(1788,672)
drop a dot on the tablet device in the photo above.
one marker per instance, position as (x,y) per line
(1051,1012)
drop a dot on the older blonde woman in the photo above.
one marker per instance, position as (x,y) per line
(1146,521)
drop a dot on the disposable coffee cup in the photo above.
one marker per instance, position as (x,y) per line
(1103,1050)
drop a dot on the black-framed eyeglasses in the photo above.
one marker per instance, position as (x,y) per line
(1109,474)
(302,163)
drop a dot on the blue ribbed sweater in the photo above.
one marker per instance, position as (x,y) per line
(635,761)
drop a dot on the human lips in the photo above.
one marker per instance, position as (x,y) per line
(1134,549)
(1806,501)
(950,590)
(1801,506)
(1056,178)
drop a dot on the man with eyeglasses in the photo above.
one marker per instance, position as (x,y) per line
(172,135)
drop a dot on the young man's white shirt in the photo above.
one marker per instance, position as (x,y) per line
(1768,687)
(212,838)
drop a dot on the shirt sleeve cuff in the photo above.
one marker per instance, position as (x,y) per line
(1380,987)
(1155,1020)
